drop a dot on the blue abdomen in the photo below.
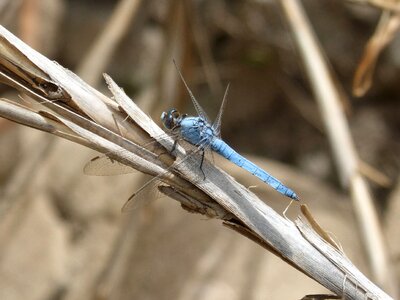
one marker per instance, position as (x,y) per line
(226,151)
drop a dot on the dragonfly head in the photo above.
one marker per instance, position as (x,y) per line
(171,119)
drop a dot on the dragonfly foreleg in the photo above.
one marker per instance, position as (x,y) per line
(168,152)
(201,163)
(174,145)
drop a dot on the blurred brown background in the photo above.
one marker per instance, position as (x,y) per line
(62,235)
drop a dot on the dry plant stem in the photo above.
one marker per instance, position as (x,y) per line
(174,47)
(392,5)
(204,49)
(242,207)
(386,30)
(317,227)
(375,175)
(100,54)
(334,254)
(341,142)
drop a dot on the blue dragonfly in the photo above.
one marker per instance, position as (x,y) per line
(199,132)
(203,135)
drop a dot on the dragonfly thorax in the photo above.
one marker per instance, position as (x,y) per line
(196,131)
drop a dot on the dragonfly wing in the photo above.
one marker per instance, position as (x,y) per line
(105,166)
(146,194)
(149,191)
(200,111)
(217,123)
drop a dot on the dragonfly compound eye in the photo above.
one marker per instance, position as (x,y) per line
(170,118)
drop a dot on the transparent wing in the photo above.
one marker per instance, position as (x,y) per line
(145,195)
(149,191)
(200,111)
(157,140)
(217,123)
(104,166)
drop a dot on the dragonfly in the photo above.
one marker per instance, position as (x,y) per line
(204,136)
(200,132)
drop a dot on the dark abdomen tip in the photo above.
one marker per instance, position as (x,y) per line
(293,195)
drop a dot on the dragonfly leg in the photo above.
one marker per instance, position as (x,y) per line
(174,146)
(201,164)
(172,149)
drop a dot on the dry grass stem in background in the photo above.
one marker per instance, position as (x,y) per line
(385,32)
(341,142)
(74,110)
(100,54)
(392,5)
